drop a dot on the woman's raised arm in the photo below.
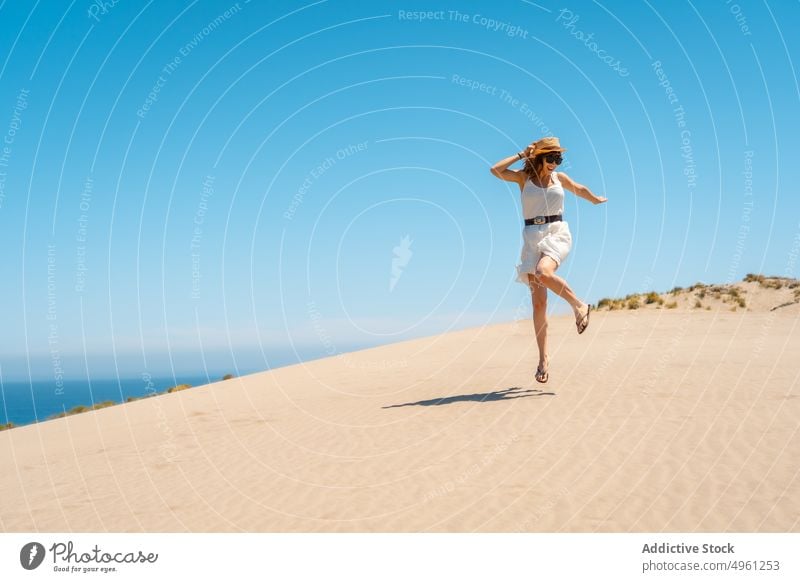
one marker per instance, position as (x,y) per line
(500,169)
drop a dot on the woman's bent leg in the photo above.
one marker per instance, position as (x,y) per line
(546,273)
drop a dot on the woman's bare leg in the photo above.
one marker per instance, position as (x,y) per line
(546,274)
(539,300)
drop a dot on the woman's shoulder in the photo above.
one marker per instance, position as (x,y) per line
(558,177)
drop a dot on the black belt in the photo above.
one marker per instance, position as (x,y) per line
(537,220)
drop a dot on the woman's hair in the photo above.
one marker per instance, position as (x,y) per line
(535,167)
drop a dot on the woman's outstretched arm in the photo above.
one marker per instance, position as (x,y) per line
(580,190)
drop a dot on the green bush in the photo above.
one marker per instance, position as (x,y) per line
(81,408)
(227,376)
(676,290)
(7,426)
(178,388)
(633,302)
(605,302)
(672,305)
(697,304)
(653,297)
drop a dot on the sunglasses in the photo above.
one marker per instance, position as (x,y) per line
(553,159)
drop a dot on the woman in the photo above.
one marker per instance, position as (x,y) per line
(547,239)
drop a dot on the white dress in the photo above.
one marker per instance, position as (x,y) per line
(553,239)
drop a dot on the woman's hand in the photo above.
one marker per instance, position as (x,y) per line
(599,200)
(528,151)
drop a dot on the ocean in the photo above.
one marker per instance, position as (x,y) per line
(27,402)
(23,402)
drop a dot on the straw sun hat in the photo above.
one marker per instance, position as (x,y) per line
(546,145)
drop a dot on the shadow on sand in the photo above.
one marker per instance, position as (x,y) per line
(504,394)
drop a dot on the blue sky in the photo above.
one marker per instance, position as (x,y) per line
(231,186)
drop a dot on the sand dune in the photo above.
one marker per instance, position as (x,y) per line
(654,420)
